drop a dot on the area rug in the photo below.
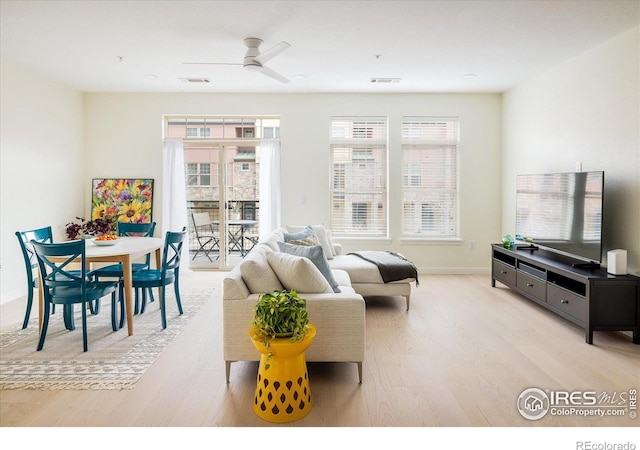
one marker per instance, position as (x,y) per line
(114,360)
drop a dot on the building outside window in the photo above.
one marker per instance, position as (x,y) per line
(198,174)
(271,132)
(195,132)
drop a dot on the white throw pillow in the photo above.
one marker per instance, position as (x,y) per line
(258,275)
(274,238)
(316,255)
(323,238)
(297,273)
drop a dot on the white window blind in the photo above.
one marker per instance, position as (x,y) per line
(430,177)
(359,176)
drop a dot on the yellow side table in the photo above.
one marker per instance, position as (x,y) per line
(282,388)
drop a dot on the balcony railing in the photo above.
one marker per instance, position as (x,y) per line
(248,210)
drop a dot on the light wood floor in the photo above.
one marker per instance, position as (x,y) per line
(460,357)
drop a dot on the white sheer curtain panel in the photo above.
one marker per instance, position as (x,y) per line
(269,186)
(174,193)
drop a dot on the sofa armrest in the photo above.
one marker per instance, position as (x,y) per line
(337,248)
(233,286)
(338,318)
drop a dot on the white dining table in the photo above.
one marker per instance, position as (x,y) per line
(125,250)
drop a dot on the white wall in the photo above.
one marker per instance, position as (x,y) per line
(587,111)
(42,164)
(128,128)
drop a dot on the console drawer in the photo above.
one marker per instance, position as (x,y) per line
(534,287)
(504,273)
(567,302)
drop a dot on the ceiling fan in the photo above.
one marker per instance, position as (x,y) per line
(254,59)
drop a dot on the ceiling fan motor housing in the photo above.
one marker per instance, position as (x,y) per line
(253,52)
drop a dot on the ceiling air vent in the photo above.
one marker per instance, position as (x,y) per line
(195,80)
(385,80)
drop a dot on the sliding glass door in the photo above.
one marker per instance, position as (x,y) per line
(222,172)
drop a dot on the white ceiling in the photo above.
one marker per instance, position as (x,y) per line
(431,45)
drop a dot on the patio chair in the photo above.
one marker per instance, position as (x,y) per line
(208,239)
(252,237)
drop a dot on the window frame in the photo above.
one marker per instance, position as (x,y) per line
(435,144)
(359,162)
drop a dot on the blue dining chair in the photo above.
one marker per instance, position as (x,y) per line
(62,286)
(31,262)
(168,274)
(42,235)
(115,270)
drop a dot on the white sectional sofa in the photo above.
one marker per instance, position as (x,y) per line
(336,308)
(365,276)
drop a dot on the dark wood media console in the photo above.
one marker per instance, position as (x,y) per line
(590,298)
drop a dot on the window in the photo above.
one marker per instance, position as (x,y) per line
(411,175)
(198,174)
(359,176)
(430,177)
(198,132)
(359,214)
(271,132)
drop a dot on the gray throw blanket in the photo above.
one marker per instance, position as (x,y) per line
(392,266)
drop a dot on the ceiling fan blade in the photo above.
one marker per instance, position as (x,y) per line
(213,63)
(273,51)
(275,75)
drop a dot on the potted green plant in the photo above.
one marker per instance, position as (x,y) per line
(281,332)
(235,211)
(280,314)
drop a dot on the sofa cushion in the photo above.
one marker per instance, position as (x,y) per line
(305,236)
(298,273)
(258,274)
(320,232)
(306,241)
(359,270)
(299,233)
(273,239)
(316,255)
(342,278)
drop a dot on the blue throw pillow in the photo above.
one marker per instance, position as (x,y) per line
(302,234)
(316,255)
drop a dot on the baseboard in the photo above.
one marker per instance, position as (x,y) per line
(454,271)
(12,312)
(11,296)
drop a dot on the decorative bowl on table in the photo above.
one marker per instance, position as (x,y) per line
(105,239)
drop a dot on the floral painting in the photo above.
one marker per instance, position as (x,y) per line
(128,200)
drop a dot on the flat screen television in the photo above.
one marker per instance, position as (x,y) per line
(562,212)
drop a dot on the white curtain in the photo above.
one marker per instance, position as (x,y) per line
(269,186)
(174,193)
